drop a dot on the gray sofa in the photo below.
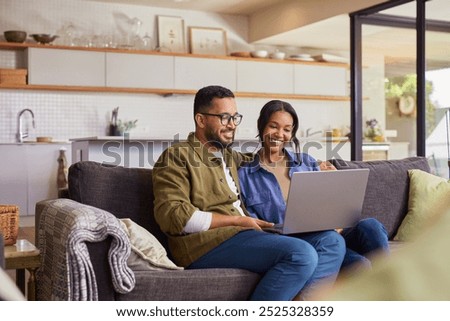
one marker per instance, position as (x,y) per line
(128,193)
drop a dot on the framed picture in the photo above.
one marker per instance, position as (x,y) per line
(208,41)
(171,34)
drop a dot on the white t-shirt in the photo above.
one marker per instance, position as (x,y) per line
(201,220)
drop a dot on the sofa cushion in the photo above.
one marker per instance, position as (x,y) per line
(387,189)
(124,192)
(429,195)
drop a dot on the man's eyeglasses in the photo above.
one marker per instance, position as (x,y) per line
(226,118)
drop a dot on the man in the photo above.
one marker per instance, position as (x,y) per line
(197,205)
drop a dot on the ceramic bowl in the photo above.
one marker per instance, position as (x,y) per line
(278,55)
(15,36)
(259,54)
(43,38)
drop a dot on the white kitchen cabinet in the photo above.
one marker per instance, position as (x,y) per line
(42,164)
(265,77)
(320,80)
(65,67)
(13,177)
(195,73)
(139,71)
(28,174)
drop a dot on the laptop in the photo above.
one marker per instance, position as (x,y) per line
(324,200)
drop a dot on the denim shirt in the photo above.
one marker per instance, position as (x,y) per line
(260,191)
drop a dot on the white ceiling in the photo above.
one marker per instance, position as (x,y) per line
(331,31)
(239,7)
(315,35)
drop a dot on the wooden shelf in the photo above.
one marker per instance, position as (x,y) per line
(292,96)
(167,92)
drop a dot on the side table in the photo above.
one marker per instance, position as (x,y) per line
(20,256)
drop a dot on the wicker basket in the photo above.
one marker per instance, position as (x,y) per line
(9,223)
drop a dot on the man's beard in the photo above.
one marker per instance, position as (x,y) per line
(216,141)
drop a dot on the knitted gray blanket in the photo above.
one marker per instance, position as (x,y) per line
(66,272)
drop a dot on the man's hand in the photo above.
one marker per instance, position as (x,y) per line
(254,223)
(219,220)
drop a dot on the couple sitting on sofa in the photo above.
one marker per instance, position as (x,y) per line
(198,203)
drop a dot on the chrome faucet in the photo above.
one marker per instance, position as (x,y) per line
(20,133)
(308,132)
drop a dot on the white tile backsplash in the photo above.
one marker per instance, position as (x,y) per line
(65,115)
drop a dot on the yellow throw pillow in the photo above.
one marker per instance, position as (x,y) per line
(429,195)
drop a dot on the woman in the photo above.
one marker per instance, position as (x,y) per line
(265,182)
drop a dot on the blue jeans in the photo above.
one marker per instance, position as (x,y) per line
(330,247)
(367,236)
(286,263)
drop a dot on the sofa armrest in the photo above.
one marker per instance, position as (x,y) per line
(98,251)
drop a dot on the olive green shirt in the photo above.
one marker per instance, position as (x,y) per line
(187,178)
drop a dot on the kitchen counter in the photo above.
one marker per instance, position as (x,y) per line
(139,138)
(384,146)
(28,173)
(133,151)
(323,139)
(145,151)
(117,138)
(36,143)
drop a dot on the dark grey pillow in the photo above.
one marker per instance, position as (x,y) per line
(387,189)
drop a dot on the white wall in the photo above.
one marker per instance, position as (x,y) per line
(69,115)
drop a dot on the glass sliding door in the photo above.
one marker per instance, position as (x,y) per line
(400,70)
(389,84)
(438,87)
(390,93)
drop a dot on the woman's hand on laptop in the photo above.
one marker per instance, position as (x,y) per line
(326,166)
